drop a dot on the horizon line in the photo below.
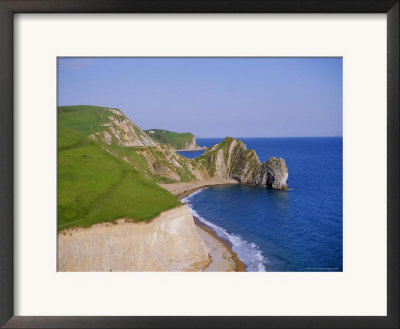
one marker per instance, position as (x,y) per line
(196,136)
(237,137)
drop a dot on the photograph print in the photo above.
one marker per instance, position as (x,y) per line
(206,164)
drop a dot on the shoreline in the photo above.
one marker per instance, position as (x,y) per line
(187,193)
(182,190)
(240,267)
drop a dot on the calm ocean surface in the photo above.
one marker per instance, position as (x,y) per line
(295,230)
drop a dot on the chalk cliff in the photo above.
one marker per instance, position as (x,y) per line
(170,242)
(191,145)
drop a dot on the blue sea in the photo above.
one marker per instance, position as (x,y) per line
(296,230)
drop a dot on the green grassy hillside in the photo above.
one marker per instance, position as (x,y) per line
(83,119)
(94,186)
(176,140)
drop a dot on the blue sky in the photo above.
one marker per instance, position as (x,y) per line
(212,97)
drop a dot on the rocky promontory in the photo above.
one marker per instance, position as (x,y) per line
(231,159)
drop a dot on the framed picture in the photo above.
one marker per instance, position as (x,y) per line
(145,143)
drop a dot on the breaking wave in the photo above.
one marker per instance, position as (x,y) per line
(249,253)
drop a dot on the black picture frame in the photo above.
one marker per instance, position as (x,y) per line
(7,10)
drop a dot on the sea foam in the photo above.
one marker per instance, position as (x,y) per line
(248,253)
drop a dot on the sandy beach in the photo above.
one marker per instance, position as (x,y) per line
(184,189)
(223,258)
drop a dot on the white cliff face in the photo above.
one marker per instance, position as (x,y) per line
(170,242)
(192,146)
(122,131)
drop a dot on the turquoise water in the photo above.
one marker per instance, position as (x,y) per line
(295,230)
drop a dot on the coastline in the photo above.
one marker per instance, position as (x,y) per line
(182,190)
(200,148)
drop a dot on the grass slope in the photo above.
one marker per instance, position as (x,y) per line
(84,119)
(176,140)
(94,186)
